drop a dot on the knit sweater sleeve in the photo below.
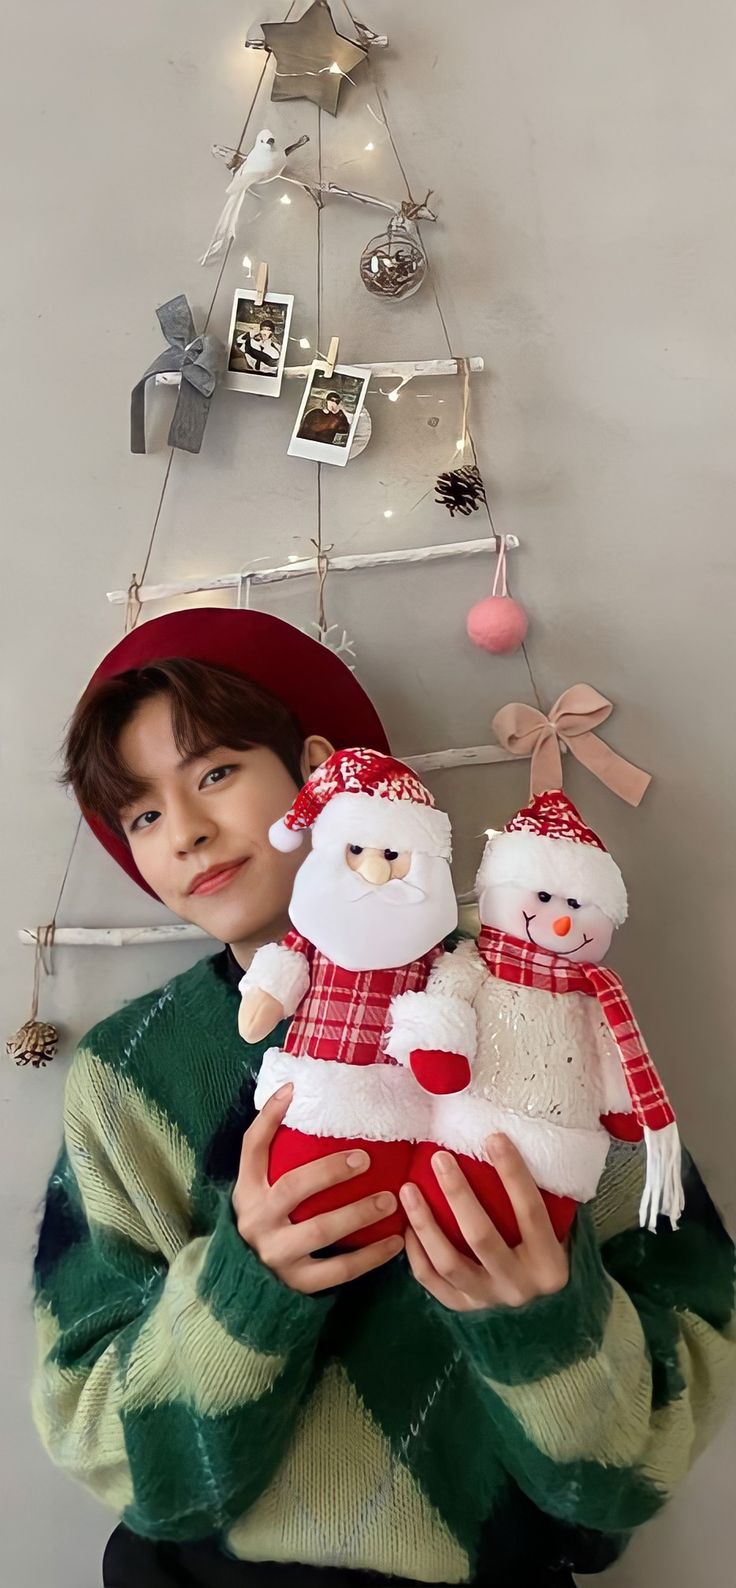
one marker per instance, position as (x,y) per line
(171,1364)
(604,1394)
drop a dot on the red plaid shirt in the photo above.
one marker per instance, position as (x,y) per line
(528,966)
(345,1013)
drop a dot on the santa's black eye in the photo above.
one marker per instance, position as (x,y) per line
(545,897)
(390,854)
(574,904)
(356,849)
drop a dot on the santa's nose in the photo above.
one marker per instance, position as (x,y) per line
(374,867)
(562,925)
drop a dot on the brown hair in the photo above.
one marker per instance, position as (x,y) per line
(210,706)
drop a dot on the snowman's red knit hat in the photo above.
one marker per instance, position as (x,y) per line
(548,848)
(368,798)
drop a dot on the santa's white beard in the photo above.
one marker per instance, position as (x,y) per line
(363,926)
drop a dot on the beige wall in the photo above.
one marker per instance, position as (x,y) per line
(583,159)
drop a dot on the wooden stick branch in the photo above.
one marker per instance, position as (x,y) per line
(416,212)
(403,369)
(307,566)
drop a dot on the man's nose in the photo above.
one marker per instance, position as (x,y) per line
(562,925)
(189,828)
(374,867)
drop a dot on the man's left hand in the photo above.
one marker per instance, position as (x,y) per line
(503,1276)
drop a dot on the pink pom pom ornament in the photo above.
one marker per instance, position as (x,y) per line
(498,623)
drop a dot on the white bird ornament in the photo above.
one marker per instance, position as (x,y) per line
(264,163)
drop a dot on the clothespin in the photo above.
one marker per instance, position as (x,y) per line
(261,284)
(331,359)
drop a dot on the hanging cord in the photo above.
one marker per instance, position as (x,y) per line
(322,558)
(448,341)
(323,568)
(24,1045)
(134,611)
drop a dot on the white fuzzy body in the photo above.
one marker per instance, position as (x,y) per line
(546,1068)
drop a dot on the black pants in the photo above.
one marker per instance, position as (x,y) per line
(133,1562)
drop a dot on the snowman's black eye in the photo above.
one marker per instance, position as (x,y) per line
(356,849)
(545,897)
(574,904)
(390,854)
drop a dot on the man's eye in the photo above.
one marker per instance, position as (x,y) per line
(544,897)
(390,854)
(356,849)
(574,904)
(142,820)
(218,773)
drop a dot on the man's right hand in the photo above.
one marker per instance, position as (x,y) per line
(262,1211)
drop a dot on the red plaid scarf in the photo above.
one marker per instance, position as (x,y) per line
(528,966)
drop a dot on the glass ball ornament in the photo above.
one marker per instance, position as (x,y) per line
(394,264)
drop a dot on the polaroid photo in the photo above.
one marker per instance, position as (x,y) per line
(257,344)
(329,413)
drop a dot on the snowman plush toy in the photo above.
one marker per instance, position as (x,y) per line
(559,1064)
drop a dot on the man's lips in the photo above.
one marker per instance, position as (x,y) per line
(215,877)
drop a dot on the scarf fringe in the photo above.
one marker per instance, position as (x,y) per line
(663,1191)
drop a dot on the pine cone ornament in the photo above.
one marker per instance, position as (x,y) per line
(461,490)
(35,1043)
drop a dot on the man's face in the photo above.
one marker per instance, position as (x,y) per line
(332,405)
(266,333)
(211,812)
(373,909)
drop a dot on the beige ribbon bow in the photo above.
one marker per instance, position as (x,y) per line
(525,731)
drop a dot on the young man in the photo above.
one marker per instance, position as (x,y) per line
(325,423)
(259,349)
(262,1415)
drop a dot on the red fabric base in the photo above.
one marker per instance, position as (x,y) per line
(489,1189)
(392,1164)
(389,1170)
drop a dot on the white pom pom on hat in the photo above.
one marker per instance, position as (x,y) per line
(284,838)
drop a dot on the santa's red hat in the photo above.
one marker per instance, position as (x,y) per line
(365,797)
(548,848)
(308,678)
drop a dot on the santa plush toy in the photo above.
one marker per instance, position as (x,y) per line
(560,1064)
(371,907)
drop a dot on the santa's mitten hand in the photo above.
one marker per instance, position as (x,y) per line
(440,1072)
(258,1014)
(435,1035)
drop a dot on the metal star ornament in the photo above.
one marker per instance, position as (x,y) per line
(311,58)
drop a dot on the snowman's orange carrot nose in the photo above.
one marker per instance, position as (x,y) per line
(562,925)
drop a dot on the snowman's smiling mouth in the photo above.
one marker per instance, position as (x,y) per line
(562,951)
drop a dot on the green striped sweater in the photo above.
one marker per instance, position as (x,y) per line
(369,1428)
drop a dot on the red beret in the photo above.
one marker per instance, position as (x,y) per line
(323,694)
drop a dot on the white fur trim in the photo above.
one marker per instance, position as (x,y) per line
(380,1102)
(436,1021)
(380,823)
(564,1159)
(556,865)
(663,1191)
(278,971)
(460,974)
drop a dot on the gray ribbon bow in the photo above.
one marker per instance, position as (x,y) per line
(199,359)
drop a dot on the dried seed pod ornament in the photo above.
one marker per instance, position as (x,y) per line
(36,1041)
